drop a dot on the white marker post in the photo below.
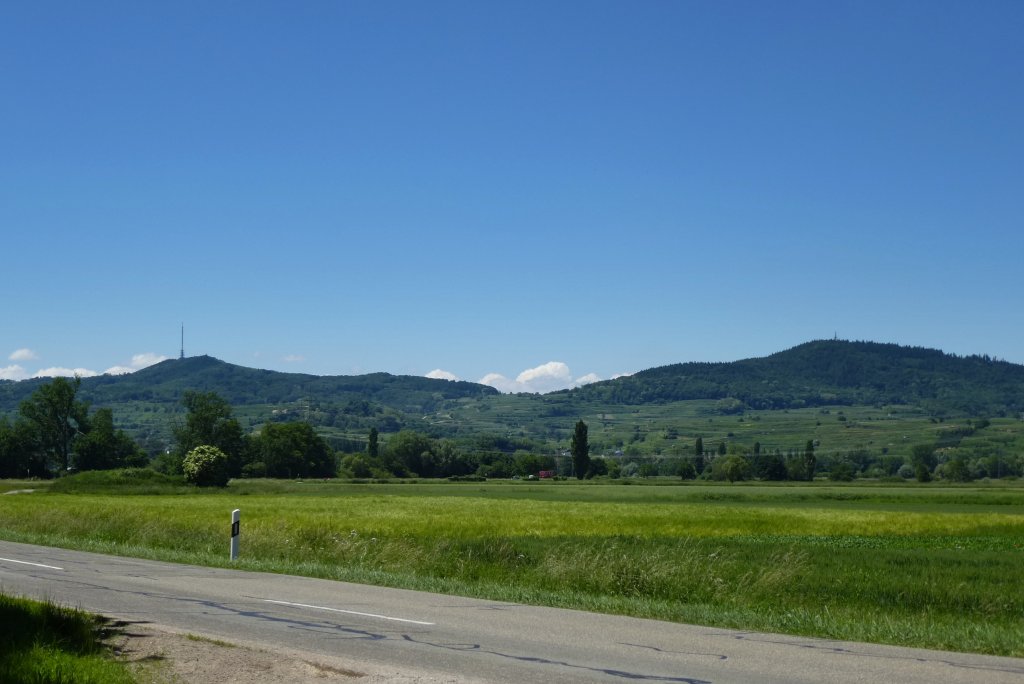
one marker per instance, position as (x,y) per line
(235,530)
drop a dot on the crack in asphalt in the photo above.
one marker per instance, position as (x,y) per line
(719,656)
(546,661)
(328,628)
(840,650)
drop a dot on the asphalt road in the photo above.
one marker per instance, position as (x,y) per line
(460,639)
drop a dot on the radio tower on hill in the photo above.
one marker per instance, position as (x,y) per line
(182,341)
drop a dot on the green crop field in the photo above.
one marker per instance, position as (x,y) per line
(928,566)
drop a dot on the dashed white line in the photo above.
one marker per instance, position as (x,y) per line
(348,612)
(38,565)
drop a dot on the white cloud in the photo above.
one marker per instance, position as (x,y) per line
(147,359)
(14,372)
(552,371)
(500,383)
(138,362)
(23,355)
(587,379)
(547,377)
(621,375)
(439,374)
(59,372)
(294,358)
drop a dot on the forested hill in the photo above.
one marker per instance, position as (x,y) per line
(831,372)
(166,381)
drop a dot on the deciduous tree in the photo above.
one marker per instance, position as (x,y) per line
(103,447)
(210,422)
(57,418)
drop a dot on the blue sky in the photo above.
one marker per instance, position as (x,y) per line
(537,193)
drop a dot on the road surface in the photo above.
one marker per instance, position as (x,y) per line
(460,639)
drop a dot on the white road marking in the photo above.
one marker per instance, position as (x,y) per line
(349,612)
(38,565)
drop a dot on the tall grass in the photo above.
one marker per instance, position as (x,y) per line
(43,643)
(923,567)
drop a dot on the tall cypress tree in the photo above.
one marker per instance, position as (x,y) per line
(371,445)
(580,450)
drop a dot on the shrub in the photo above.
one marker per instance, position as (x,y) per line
(206,466)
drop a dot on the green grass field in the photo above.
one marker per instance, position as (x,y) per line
(929,566)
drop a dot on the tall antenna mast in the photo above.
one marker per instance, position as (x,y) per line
(182,341)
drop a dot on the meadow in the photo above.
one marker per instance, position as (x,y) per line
(918,565)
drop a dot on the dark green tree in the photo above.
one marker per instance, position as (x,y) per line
(841,471)
(956,470)
(410,453)
(580,450)
(104,447)
(210,422)
(357,465)
(769,466)
(57,418)
(598,467)
(923,461)
(20,454)
(372,449)
(685,469)
(294,450)
(698,447)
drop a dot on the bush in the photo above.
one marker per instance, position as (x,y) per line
(206,466)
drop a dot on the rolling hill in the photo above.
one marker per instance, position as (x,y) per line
(831,372)
(828,373)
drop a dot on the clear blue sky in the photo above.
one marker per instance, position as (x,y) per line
(485,188)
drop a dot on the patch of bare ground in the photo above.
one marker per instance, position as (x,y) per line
(156,655)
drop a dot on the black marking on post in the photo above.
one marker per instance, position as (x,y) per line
(235,528)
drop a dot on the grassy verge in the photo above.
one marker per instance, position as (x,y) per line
(935,567)
(42,643)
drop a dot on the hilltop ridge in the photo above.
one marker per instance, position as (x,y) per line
(831,372)
(816,373)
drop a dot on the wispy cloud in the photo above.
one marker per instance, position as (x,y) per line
(439,374)
(61,372)
(23,354)
(147,359)
(547,377)
(138,362)
(294,358)
(14,372)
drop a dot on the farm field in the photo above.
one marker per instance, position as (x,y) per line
(929,566)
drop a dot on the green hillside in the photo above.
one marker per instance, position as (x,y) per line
(845,396)
(167,380)
(148,402)
(829,373)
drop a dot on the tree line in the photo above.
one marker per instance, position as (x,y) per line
(55,432)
